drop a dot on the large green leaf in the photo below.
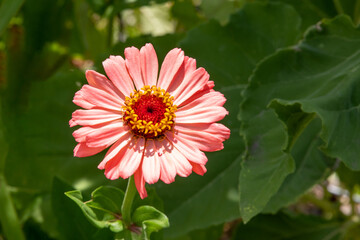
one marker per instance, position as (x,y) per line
(322,75)
(221,50)
(231,53)
(42,132)
(312,166)
(285,227)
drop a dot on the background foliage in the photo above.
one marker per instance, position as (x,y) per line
(290,71)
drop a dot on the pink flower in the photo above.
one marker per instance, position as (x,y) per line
(157,126)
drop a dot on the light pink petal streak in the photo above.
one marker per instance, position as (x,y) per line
(116,70)
(81,150)
(167,165)
(211,98)
(133,64)
(186,69)
(182,165)
(151,163)
(129,162)
(192,153)
(116,151)
(192,83)
(149,65)
(100,98)
(93,117)
(201,115)
(99,81)
(81,102)
(206,137)
(140,183)
(107,135)
(170,67)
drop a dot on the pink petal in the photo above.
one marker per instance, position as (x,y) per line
(81,102)
(190,152)
(206,137)
(131,159)
(106,135)
(140,183)
(183,167)
(100,98)
(151,163)
(81,150)
(92,117)
(149,64)
(116,151)
(133,64)
(81,133)
(201,115)
(167,166)
(192,83)
(117,72)
(169,68)
(199,169)
(188,66)
(99,81)
(209,98)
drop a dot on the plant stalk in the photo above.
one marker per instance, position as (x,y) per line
(128,200)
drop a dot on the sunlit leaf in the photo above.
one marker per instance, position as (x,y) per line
(150,219)
(323,78)
(104,208)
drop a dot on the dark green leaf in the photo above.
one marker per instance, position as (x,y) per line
(311,167)
(320,77)
(284,227)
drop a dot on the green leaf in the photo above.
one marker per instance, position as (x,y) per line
(266,165)
(285,227)
(312,166)
(221,50)
(220,10)
(71,222)
(43,132)
(8,9)
(311,12)
(231,53)
(103,210)
(320,77)
(210,233)
(150,219)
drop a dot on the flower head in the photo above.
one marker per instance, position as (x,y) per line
(157,126)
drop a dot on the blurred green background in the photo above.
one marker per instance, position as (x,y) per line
(45,47)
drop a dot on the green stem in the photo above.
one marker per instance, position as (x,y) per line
(127,235)
(8,217)
(128,200)
(357,13)
(338,7)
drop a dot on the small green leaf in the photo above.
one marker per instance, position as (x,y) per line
(70,220)
(150,219)
(103,210)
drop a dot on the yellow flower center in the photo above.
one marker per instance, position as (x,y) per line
(149,112)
